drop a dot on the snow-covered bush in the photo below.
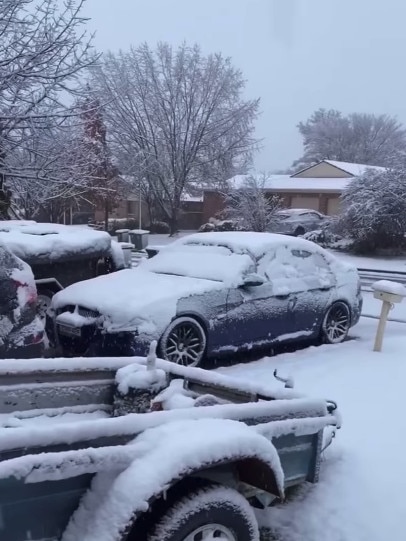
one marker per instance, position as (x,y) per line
(251,207)
(374,211)
(159,228)
(328,239)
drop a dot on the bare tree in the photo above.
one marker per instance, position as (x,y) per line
(357,138)
(50,171)
(251,206)
(43,49)
(178,116)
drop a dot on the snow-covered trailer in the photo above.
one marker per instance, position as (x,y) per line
(199,451)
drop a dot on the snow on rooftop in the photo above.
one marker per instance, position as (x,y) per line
(354,169)
(285,183)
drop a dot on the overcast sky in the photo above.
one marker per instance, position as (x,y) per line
(297,55)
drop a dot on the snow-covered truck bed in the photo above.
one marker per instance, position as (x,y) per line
(60,255)
(159,451)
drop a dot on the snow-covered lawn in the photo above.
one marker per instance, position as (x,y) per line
(394,264)
(361,495)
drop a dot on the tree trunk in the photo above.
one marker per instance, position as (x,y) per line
(173,225)
(5,194)
(106,215)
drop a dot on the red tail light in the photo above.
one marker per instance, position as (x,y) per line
(29,290)
(34,339)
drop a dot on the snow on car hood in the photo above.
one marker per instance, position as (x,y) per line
(133,299)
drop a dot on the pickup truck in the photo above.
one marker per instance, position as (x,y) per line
(60,255)
(145,450)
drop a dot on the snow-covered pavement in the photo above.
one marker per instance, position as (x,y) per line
(362,491)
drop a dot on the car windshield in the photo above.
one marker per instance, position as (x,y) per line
(216,263)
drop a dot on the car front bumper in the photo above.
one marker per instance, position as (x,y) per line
(93,342)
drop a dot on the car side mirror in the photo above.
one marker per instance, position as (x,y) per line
(252,280)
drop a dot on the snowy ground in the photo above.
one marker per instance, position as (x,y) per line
(361,495)
(395,264)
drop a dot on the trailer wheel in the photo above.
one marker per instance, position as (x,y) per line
(209,512)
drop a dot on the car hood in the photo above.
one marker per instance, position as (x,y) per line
(133,299)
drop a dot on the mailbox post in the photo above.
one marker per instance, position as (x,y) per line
(389,293)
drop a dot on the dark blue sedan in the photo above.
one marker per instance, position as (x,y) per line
(209,294)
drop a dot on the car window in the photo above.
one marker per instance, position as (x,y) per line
(313,267)
(315,215)
(295,269)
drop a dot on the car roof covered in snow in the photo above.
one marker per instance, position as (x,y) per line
(253,243)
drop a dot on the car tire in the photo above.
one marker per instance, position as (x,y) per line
(336,323)
(184,342)
(211,509)
(299,231)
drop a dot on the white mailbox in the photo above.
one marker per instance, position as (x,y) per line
(389,293)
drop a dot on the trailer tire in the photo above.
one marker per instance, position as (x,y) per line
(211,509)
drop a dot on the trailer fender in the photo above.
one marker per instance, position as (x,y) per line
(164,456)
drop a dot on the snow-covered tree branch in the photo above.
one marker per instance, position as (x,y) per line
(251,207)
(177,118)
(43,50)
(374,210)
(357,138)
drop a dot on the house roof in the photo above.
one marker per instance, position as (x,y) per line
(352,169)
(285,183)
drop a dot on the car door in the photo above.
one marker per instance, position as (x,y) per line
(314,221)
(311,289)
(255,315)
(263,313)
(299,283)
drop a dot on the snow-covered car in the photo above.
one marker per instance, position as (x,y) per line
(210,294)
(60,255)
(21,332)
(298,221)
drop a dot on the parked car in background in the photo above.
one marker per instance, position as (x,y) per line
(298,221)
(60,255)
(209,294)
(21,332)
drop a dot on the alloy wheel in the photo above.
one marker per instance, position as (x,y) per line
(337,323)
(185,343)
(211,532)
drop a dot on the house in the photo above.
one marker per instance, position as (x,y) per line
(130,208)
(316,187)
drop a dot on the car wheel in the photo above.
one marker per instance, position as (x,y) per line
(43,302)
(336,323)
(184,342)
(211,512)
(300,230)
